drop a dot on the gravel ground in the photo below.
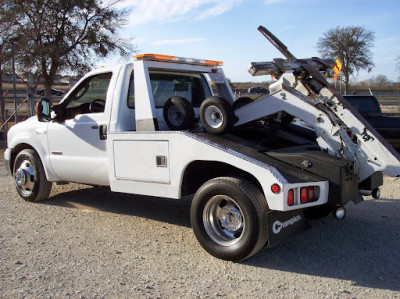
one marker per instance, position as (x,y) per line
(88,242)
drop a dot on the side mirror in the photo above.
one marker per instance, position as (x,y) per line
(43,110)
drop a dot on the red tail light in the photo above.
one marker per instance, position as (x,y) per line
(311,194)
(303,195)
(307,194)
(290,197)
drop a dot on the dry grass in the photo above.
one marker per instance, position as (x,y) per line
(392,110)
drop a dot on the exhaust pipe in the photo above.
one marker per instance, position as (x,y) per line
(340,213)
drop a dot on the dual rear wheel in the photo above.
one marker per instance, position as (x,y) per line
(229,218)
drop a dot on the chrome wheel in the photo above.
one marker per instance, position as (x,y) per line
(29,176)
(217,115)
(223,220)
(229,218)
(25,177)
(214,116)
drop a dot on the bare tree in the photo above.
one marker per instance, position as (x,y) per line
(7,31)
(2,100)
(382,81)
(351,45)
(66,35)
(398,64)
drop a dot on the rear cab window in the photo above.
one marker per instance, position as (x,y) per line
(190,86)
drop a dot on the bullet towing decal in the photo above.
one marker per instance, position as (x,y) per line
(284,225)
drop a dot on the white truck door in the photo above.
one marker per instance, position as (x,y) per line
(77,144)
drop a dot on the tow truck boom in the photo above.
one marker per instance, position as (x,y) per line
(302,91)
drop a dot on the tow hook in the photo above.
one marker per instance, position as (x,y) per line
(340,213)
(376,193)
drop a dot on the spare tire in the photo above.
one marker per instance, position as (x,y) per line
(217,115)
(178,114)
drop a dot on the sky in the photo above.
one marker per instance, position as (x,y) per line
(226,30)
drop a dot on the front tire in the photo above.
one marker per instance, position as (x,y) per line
(29,176)
(229,218)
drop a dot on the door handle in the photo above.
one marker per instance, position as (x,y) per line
(103,132)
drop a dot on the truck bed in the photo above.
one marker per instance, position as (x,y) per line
(252,150)
(300,164)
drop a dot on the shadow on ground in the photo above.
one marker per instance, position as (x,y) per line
(173,211)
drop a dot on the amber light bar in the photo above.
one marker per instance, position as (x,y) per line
(176,59)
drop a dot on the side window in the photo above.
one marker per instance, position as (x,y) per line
(131,93)
(91,95)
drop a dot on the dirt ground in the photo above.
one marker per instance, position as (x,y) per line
(87,242)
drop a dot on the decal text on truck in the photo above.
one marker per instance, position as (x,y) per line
(277,226)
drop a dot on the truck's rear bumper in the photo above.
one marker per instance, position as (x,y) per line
(341,173)
(7,160)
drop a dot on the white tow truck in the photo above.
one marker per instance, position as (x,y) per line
(170,127)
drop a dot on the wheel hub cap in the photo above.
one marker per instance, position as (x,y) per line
(230,218)
(175,116)
(214,117)
(223,220)
(20,177)
(25,177)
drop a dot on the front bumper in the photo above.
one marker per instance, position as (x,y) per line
(7,160)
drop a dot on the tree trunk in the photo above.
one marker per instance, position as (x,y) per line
(49,77)
(346,84)
(346,73)
(2,99)
(47,88)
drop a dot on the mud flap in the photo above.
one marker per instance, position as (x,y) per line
(284,225)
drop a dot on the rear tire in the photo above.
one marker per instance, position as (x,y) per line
(29,176)
(229,218)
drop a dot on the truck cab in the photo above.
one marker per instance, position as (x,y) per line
(123,98)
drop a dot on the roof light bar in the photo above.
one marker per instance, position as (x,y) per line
(176,59)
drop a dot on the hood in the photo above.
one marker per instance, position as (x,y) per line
(24,132)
